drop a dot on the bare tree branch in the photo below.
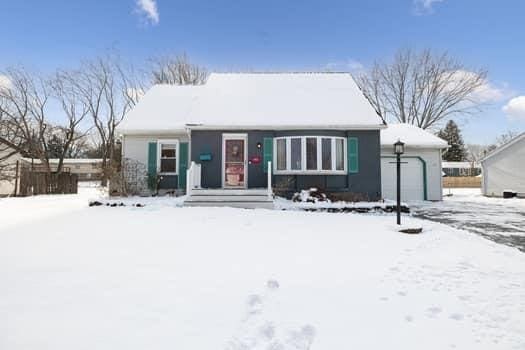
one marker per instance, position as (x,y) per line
(177,70)
(422,88)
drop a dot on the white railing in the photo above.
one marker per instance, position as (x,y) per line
(270,192)
(193,178)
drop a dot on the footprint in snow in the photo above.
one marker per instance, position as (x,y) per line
(254,304)
(272,284)
(433,311)
(303,338)
(457,317)
(257,332)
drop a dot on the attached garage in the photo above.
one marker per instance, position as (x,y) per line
(412,180)
(421,176)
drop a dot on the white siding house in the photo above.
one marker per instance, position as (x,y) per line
(8,159)
(421,175)
(504,169)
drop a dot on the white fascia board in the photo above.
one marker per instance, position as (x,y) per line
(146,132)
(285,127)
(503,147)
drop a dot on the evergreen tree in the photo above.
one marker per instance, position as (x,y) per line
(456,151)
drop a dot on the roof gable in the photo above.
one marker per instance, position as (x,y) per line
(253,100)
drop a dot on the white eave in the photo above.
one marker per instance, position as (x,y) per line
(286,127)
(503,147)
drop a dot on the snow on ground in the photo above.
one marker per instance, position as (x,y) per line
(502,220)
(163,277)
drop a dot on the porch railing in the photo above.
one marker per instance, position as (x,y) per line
(270,192)
(193,178)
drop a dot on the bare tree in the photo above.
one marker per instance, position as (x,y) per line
(70,133)
(422,88)
(108,89)
(177,70)
(505,137)
(23,119)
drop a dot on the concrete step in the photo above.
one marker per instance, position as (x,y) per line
(229,198)
(229,192)
(235,198)
(244,205)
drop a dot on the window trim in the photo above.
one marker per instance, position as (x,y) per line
(159,152)
(303,170)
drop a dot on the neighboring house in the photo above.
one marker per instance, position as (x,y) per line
(504,169)
(316,129)
(421,176)
(87,169)
(456,169)
(8,161)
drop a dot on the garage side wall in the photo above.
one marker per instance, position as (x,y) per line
(505,171)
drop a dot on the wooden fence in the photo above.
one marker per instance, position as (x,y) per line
(462,181)
(33,183)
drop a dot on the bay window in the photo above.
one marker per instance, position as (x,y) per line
(310,155)
(295,153)
(281,154)
(339,154)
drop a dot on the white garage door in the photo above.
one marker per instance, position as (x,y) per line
(412,186)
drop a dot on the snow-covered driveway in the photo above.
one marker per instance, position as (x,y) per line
(161,277)
(500,220)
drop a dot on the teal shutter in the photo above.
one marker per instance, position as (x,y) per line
(267,152)
(183,164)
(353,155)
(152,165)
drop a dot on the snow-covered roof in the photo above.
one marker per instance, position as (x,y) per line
(412,136)
(504,146)
(460,165)
(255,100)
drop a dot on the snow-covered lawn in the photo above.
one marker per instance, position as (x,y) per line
(162,277)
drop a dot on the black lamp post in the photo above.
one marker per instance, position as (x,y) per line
(399,149)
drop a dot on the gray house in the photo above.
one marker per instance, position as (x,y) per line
(248,134)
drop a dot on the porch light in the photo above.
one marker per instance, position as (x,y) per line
(399,147)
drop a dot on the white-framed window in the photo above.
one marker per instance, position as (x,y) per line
(167,157)
(310,155)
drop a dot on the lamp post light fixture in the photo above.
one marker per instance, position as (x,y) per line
(399,149)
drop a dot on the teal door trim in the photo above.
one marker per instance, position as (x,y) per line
(424,163)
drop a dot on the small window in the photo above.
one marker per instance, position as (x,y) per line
(326,153)
(339,154)
(311,153)
(296,154)
(168,157)
(281,154)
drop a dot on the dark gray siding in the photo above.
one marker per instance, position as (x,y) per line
(168,182)
(367,182)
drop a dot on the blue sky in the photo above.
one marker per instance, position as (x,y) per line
(281,35)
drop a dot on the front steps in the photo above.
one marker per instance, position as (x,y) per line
(235,198)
